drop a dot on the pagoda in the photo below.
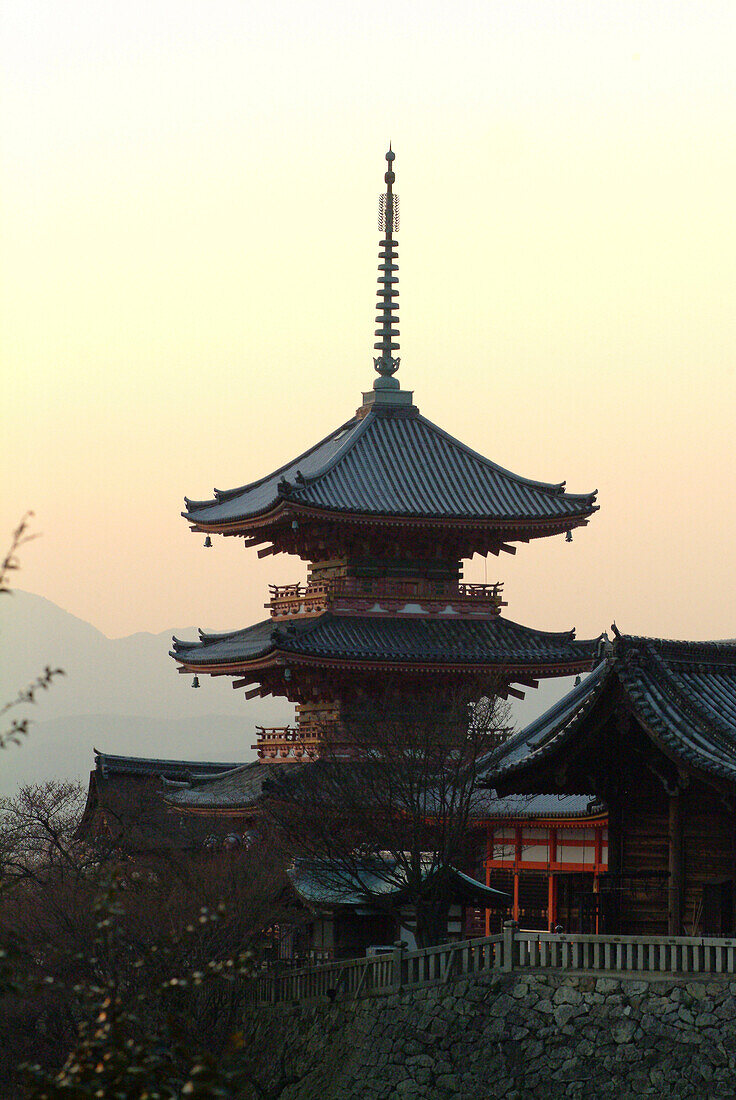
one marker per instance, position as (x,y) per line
(384,510)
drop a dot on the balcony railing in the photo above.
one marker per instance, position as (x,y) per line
(279,743)
(312,599)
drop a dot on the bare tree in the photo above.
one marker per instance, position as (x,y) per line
(386,813)
(11,734)
(166,939)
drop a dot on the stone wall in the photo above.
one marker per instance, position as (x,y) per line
(544,1034)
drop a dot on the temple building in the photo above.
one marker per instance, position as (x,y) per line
(549,852)
(384,510)
(652,732)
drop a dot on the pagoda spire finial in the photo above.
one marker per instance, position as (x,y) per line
(388,223)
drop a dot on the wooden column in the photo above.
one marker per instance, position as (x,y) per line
(489,857)
(676,869)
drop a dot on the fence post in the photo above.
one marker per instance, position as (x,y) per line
(398,965)
(509,945)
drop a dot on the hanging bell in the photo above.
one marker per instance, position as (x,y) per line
(577,681)
(208,543)
(568,536)
(195,682)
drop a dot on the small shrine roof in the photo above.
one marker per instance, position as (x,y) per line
(682,693)
(238,788)
(395,462)
(329,883)
(427,640)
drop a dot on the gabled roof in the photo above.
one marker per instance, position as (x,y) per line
(433,641)
(108,765)
(550,729)
(394,462)
(682,693)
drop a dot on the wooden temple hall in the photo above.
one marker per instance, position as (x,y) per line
(652,731)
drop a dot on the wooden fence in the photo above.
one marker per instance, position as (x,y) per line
(644,956)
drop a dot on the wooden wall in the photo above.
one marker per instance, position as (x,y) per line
(641,889)
(708,850)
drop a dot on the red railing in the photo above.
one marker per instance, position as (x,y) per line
(294,599)
(285,743)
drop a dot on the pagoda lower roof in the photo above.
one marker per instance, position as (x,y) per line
(424,643)
(395,463)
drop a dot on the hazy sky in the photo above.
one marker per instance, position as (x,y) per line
(189,253)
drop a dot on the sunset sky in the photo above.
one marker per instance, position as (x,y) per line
(189,253)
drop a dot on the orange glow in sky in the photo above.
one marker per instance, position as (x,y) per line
(189,265)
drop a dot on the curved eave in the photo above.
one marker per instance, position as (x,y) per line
(533,527)
(697,749)
(278,658)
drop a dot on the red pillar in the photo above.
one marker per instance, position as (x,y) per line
(552,885)
(517,861)
(489,857)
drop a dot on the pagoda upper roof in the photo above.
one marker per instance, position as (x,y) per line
(683,694)
(393,462)
(433,642)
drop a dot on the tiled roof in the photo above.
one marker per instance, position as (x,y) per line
(108,765)
(330,883)
(238,788)
(683,693)
(523,806)
(428,640)
(395,462)
(548,731)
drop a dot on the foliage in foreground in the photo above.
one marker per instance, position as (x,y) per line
(128,977)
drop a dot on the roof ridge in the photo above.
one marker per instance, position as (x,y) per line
(570,703)
(677,648)
(221,495)
(554,488)
(200,780)
(339,454)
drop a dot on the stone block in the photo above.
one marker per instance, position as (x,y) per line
(564,1013)
(567,995)
(607,985)
(636,988)
(623,1032)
